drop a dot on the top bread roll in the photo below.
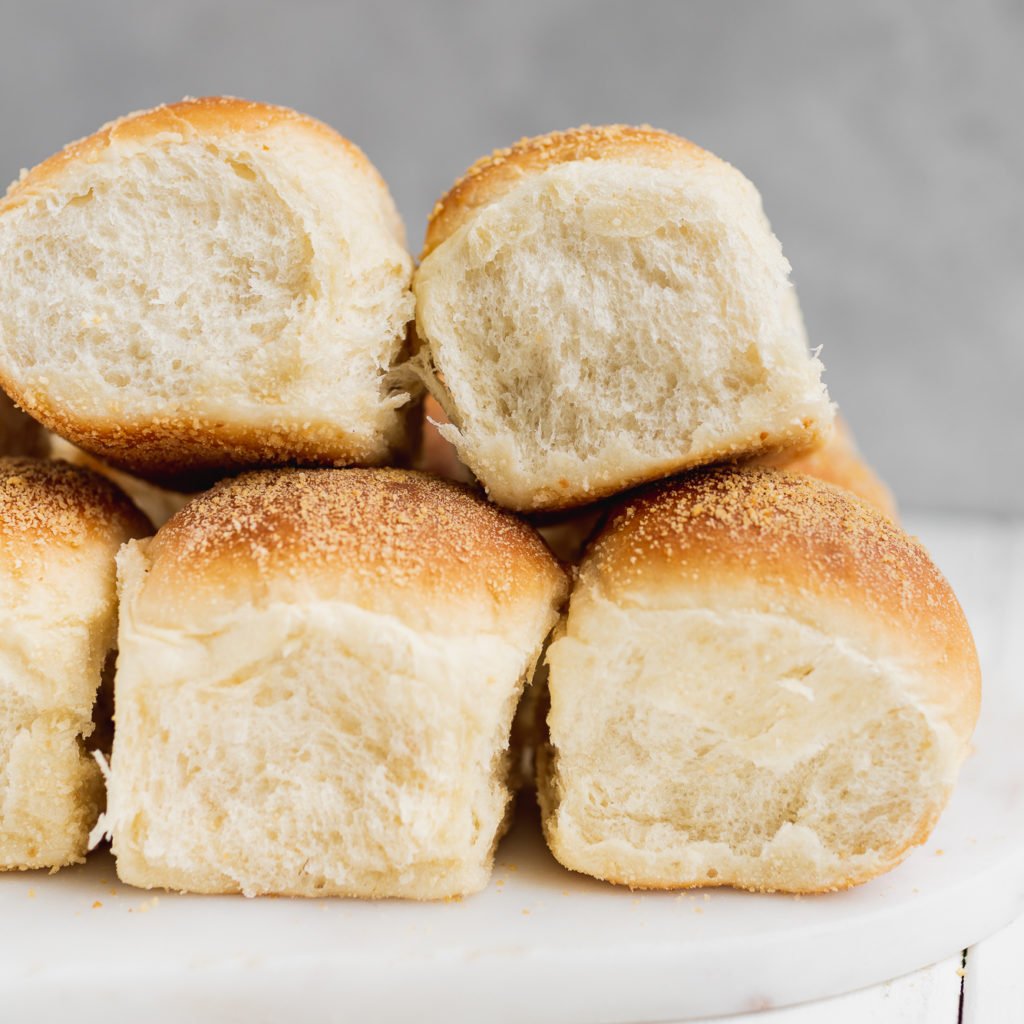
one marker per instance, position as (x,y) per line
(606,306)
(206,286)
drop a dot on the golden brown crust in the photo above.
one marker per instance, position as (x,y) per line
(155,502)
(208,115)
(703,882)
(496,175)
(192,455)
(50,502)
(837,461)
(362,529)
(796,437)
(794,535)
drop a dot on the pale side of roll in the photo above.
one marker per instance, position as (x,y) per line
(836,460)
(762,682)
(317,675)
(606,306)
(207,286)
(60,529)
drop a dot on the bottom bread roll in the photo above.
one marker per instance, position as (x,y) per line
(60,529)
(761,682)
(316,681)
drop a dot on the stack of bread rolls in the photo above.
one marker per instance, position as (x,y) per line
(362,471)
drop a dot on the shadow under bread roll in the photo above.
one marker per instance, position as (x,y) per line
(836,460)
(60,529)
(19,434)
(437,455)
(207,286)
(606,306)
(568,533)
(156,502)
(317,675)
(761,682)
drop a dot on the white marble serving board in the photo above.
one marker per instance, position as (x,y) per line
(542,944)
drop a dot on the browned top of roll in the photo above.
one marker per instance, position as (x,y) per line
(46,504)
(207,115)
(838,461)
(349,534)
(805,543)
(494,176)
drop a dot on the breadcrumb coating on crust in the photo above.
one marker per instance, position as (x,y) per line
(837,461)
(787,530)
(45,503)
(206,114)
(392,527)
(495,175)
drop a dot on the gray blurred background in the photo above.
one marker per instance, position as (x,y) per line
(887,138)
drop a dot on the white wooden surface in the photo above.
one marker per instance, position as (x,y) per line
(994,983)
(986,984)
(931,996)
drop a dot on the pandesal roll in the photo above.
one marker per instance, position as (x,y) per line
(605,306)
(60,529)
(316,681)
(762,682)
(835,460)
(207,286)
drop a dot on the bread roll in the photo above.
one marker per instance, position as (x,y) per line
(838,461)
(19,434)
(606,306)
(316,681)
(207,286)
(60,528)
(762,683)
